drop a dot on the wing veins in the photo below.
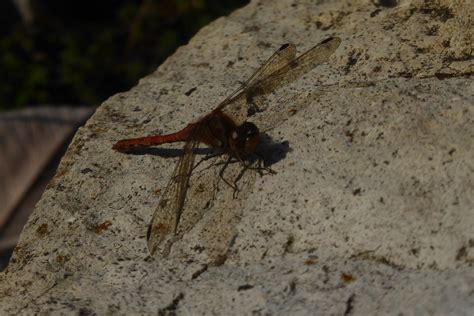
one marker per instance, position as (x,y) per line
(285,54)
(166,218)
(285,74)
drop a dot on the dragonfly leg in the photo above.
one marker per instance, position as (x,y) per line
(262,170)
(207,157)
(239,176)
(221,175)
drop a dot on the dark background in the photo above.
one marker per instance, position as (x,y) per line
(81,52)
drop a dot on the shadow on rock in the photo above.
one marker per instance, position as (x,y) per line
(269,151)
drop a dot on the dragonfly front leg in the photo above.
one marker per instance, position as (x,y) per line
(207,157)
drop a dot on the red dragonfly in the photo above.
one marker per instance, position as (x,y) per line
(226,129)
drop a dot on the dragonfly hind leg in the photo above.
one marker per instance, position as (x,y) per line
(232,185)
(259,168)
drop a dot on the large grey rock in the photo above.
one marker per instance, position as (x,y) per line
(370,212)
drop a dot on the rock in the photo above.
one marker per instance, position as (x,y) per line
(30,140)
(370,211)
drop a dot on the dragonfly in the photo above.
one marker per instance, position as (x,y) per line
(225,129)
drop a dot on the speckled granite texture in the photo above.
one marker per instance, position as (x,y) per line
(371,210)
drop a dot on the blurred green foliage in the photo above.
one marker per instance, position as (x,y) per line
(81,52)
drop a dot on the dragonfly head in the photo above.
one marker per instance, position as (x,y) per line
(245,138)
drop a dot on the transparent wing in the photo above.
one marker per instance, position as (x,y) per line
(285,54)
(295,69)
(164,223)
(266,82)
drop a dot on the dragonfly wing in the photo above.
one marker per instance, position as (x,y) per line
(236,105)
(285,54)
(295,69)
(280,69)
(164,223)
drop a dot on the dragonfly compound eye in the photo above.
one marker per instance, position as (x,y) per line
(246,137)
(249,129)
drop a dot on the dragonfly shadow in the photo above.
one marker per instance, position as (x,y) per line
(170,152)
(270,151)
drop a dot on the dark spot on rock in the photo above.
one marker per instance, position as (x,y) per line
(291,287)
(375,12)
(219,260)
(86,170)
(100,228)
(190,91)
(199,272)
(289,244)
(349,305)
(357,191)
(415,251)
(405,74)
(325,269)
(42,229)
(461,254)
(432,30)
(172,307)
(421,50)
(251,29)
(386,3)
(350,135)
(351,61)
(311,261)
(199,248)
(245,287)
(85,311)
(60,259)
(435,10)
(347,277)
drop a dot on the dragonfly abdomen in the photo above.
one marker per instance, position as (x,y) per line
(135,144)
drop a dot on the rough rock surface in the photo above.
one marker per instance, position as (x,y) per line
(371,210)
